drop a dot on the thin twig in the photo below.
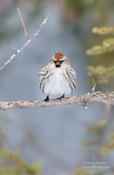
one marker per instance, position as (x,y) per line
(95,97)
(23,24)
(16,52)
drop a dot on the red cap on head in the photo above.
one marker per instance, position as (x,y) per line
(58,56)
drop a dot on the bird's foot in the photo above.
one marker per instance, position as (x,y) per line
(46,99)
(59,98)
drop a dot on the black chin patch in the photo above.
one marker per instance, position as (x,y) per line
(58,65)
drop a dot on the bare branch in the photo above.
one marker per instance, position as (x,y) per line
(16,52)
(95,97)
(23,24)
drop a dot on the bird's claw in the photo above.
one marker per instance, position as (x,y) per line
(59,98)
(46,99)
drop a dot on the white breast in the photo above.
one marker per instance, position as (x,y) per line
(57,84)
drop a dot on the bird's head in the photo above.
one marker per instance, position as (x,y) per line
(58,59)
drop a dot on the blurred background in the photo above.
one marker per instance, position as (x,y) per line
(61,138)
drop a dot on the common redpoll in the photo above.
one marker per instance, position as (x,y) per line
(57,78)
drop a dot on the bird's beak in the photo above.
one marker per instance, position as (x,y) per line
(58,63)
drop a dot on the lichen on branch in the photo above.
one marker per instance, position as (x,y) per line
(92,96)
(109,145)
(18,165)
(100,74)
(103,30)
(107,46)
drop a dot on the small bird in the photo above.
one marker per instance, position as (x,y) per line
(57,78)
